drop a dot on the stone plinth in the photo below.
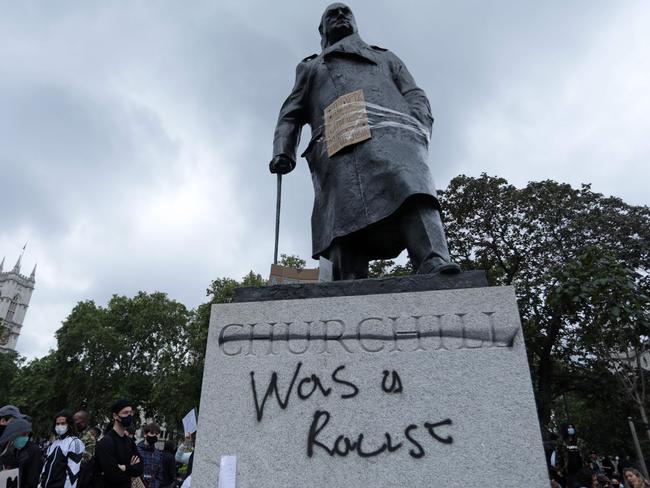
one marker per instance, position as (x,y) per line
(411,389)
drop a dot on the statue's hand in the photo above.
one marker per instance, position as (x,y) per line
(281,164)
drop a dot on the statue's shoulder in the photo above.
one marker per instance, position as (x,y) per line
(379,48)
(305,66)
(311,57)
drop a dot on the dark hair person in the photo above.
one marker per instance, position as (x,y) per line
(63,457)
(634,479)
(117,456)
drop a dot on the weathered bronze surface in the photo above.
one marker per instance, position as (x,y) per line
(374,197)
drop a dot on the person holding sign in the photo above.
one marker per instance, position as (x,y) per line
(21,452)
(368,154)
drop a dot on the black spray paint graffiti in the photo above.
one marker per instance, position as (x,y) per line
(343,445)
(395,385)
(308,385)
(435,332)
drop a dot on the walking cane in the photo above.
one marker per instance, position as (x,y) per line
(277,218)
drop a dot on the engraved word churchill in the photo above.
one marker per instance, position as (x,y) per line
(427,332)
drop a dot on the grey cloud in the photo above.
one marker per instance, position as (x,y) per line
(106,104)
(66,153)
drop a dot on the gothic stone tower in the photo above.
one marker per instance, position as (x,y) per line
(15,293)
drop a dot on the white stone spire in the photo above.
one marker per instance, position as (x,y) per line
(17,265)
(2,264)
(32,277)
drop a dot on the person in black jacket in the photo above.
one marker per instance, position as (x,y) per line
(23,453)
(168,465)
(116,454)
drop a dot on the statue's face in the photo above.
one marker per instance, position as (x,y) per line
(338,22)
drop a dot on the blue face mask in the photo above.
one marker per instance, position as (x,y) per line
(571,431)
(20,441)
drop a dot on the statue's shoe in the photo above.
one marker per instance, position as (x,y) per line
(447,268)
(438,266)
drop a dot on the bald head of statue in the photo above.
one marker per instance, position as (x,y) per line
(336,23)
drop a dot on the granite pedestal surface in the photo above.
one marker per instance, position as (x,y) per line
(393,389)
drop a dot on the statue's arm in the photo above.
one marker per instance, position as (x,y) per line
(290,121)
(415,96)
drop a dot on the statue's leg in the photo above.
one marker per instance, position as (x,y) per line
(424,235)
(349,260)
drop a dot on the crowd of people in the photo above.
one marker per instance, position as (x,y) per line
(79,455)
(571,467)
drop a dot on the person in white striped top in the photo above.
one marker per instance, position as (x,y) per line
(63,458)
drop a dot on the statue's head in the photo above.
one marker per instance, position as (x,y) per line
(336,23)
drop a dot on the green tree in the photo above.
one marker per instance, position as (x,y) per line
(10,363)
(222,290)
(184,383)
(291,261)
(127,349)
(606,307)
(253,279)
(3,331)
(519,235)
(382,268)
(35,391)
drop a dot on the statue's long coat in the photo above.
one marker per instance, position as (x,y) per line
(367,182)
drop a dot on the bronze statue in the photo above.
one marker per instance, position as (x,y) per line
(373,197)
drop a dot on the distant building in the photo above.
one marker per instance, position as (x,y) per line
(15,293)
(284,275)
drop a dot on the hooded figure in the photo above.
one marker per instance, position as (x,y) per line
(374,198)
(13,430)
(7,414)
(23,454)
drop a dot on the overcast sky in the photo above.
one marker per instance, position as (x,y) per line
(135,135)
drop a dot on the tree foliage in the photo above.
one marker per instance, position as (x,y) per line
(10,363)
(606,306)
(34,391)
(522,236)
(124,350)
(291,261)
(386,267)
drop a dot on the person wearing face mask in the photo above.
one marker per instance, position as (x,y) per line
(63,457)
(81,423)
(7,414)
(151,457)
(21,452)
(117,456)
(569,456)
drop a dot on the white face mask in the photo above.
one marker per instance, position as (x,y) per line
(60,429)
